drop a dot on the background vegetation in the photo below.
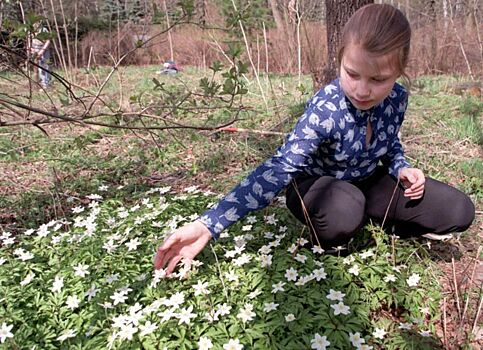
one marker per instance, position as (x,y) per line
(110,119)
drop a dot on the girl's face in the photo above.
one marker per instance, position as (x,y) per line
(367,79)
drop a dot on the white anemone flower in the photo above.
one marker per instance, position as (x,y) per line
(166,315)
(147,328)
(390,278)
(185,315)
(242,260)
(379,333)
(413,280)
(270,307)
(335,295)
(251,219)
(246,314)
(27,279)
(72,302)
(204,343)
(340,308)
(5,332)
(354,270)
(127,331)
(254,294)
(425,333)
(231,276)
(57,285)
(405,325)
(278,287)
(300,258)
(270,219)
(366,254)
(91,292)
(132,244)
(223,309)
(118,297)
(291,274)
(265,250)
(356,339)
(265,260)
(233,344)
(319,342)
(317,249)
(81,270)
(66,334)
(175,300)
(319,274)
(201,288)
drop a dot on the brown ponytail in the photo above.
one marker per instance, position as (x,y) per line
(379,29)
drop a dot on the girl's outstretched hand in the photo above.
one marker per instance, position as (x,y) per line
(185,243)
(413,181)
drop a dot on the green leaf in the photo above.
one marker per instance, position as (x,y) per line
(216,66)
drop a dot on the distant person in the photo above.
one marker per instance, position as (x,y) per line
(40,51)
(343,163)
(169,67)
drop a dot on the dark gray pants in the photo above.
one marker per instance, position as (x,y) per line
(337,209)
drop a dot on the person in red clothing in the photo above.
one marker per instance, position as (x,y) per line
(169,67)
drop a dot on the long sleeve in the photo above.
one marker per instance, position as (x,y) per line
(258,189)
(328,140)
(395,159)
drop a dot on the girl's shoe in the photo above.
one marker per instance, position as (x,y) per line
(436,237)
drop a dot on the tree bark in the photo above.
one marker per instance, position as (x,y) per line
(445,14)
(337,14)
(434,36)
(279,23)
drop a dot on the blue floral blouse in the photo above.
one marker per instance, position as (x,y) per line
(328,140)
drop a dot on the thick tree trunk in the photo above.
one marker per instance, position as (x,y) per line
(279,23)
(445,14)
(337,14)
(200,6)
(1,13)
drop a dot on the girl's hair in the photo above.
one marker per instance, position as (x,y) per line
(379,29)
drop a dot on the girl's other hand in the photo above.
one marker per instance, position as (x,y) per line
(413,181)
(185,243)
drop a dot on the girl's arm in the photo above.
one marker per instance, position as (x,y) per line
(395,159)
(259,188)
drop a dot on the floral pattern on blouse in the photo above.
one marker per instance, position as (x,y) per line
(329,139)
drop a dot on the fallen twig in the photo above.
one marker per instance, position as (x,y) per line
(470,283)
(445,339)
(420,137)
(251,131)
(456,289)
(477,316)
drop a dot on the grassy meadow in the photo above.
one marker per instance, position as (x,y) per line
(84,206)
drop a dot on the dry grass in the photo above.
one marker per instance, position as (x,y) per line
(435,50)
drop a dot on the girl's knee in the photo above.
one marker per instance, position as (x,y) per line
(338,220)
(454,211)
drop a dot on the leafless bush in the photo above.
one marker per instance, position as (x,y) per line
(447,57)
(194,46)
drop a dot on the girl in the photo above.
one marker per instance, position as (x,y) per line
(343,163)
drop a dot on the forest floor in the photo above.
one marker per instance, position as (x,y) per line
(43,168)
